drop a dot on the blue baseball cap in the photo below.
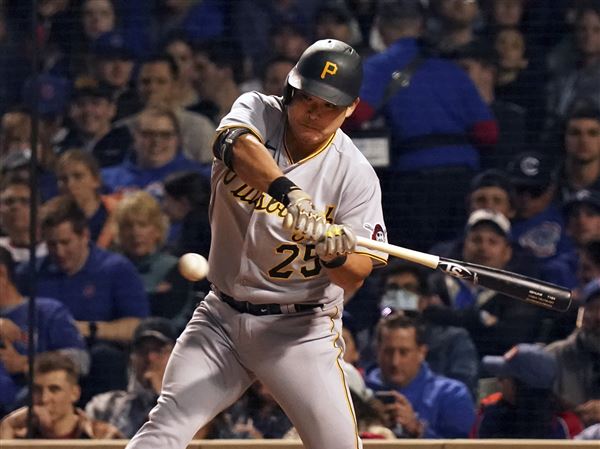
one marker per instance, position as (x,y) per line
(52,94)
(529,363)
(585,196)
(112,45)
(591,291)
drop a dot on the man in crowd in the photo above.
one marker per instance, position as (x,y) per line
(426,405)
(55,393)
(438,124)
(15,200)
(55,332)
(151,347)
(157,87)
(102,290)
(93,107)
(495,322)
(581,167)
(578,359)
(539,224)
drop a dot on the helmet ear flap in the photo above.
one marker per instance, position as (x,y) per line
(288,92)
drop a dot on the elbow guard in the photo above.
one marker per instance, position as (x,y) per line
(223,146)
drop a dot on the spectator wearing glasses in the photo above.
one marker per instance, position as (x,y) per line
(15,200)
(539,225)
(157,152)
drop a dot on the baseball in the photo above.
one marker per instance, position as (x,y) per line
(193,267)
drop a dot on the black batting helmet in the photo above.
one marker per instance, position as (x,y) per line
(328,69)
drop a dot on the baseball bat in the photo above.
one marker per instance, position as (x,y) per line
(533,291)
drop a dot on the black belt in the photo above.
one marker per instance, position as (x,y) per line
(267,309)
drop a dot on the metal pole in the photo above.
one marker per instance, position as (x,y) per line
(31,317)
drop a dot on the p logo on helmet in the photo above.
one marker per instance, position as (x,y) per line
(330,68)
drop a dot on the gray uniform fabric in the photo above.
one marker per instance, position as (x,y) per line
(297,356)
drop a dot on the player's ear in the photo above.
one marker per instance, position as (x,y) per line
(350,109)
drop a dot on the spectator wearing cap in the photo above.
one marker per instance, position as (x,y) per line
(578,357)
(581,166)
(15,150)
(525,407)
(539,225)
(480,62)
(494,321)
(156,86)
(490,189)
(581,212)
(113,64)
(425,404)
(91,112)
(438,123)
(153,341)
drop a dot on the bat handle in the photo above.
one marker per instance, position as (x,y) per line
(428,260)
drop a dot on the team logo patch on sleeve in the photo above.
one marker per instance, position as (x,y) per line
(377,232)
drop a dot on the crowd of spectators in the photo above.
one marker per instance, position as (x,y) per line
(486,115)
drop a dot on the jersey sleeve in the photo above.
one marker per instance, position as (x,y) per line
(361,209)
(253,111)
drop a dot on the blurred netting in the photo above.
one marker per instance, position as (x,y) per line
(494,79)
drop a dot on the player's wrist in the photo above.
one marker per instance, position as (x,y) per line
(282,189)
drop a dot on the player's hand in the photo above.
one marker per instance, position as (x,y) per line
(302,217)
(338,240)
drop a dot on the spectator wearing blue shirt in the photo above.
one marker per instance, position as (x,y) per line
(157,154)
(426,405)
(102,289)
(55,331)
(539,224)
(437,121)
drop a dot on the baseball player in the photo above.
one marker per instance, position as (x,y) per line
(282,170)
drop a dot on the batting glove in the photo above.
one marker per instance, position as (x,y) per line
(337,242)
(302,217)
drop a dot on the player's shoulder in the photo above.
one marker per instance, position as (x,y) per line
(255,99)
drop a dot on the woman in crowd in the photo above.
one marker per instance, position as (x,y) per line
(141,233)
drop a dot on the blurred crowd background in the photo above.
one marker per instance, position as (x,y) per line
(481,118)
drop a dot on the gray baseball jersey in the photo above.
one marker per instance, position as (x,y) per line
(257,260)
(296,355)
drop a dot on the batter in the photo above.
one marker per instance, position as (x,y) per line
(282,169)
